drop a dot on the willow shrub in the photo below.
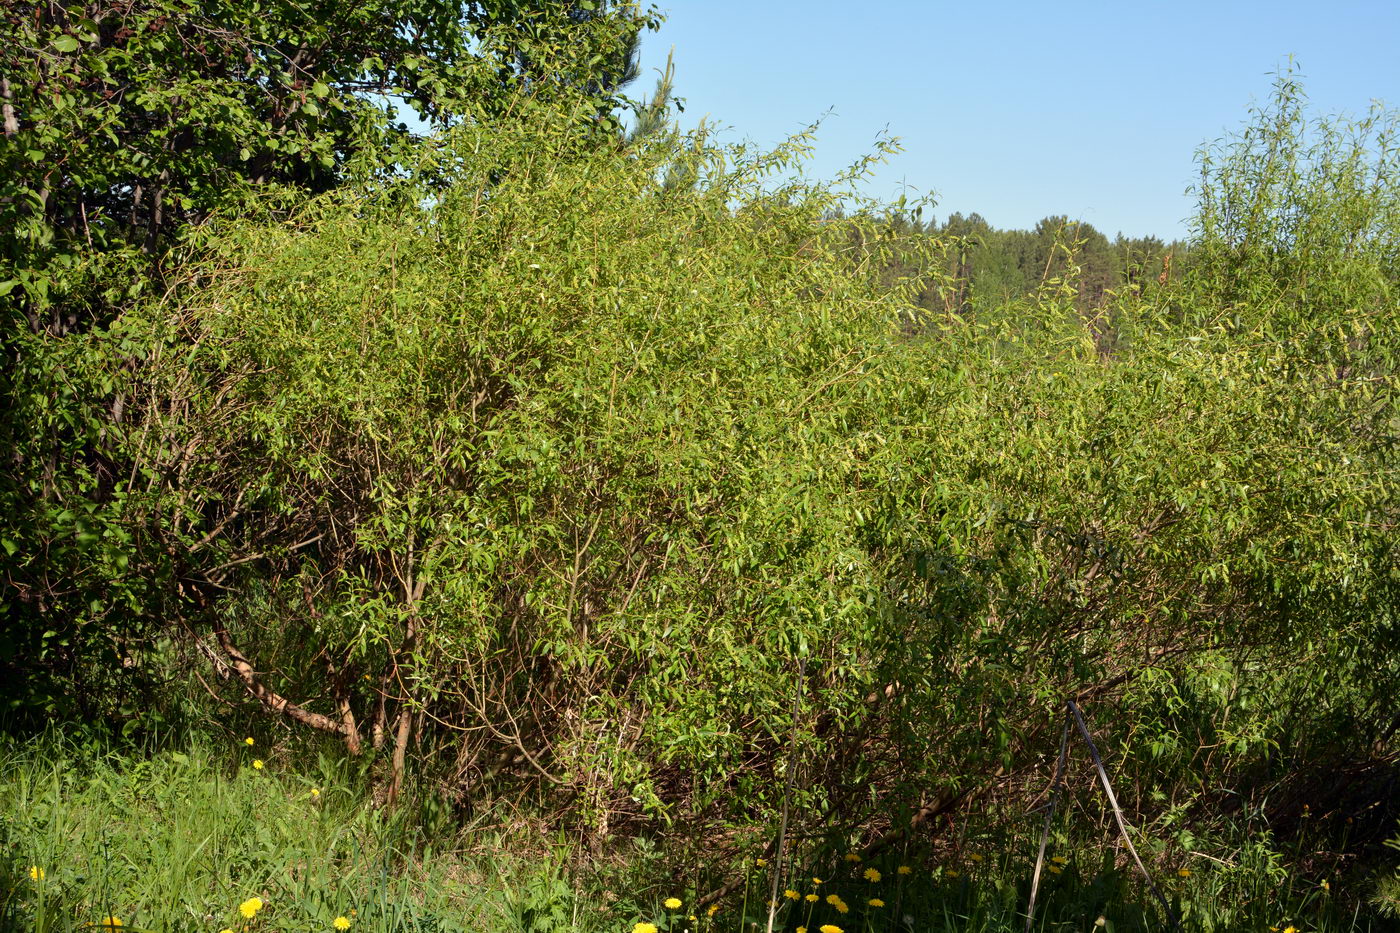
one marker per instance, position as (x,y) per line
(551,479)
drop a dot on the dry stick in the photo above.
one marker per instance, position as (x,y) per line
(1049,816)
(1172,919)
(778,861)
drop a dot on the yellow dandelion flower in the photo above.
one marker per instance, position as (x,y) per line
(875,902)
(315,793)
(1060,860)
(249,908)
(829,928)
(812,898)
(1290,929)
(341,923)
(904,870)
(693,918)
(974,857)
(816,881)
(852,857)
(248,740)
(842,908)
(36,873)
(1326,885)
(110,923)
(672,903)
(1184,872)
(1053,869)
(258,763)
(791,895)
(644,928)
(761,862)
(714,909)
(833,899)
(872,875)
(226,930)
(801,930)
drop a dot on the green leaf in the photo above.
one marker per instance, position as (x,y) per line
(66,43)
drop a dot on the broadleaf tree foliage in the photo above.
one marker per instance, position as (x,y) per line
(543,469)
(127,121)
(129,125)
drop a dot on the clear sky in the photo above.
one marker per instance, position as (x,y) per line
(1018,110)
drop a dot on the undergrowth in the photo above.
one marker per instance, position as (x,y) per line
(238,838)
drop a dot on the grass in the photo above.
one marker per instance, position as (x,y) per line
(180,841)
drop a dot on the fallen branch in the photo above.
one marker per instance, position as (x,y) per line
(269,698)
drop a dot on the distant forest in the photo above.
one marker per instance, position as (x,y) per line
(1001,265)
(980,267)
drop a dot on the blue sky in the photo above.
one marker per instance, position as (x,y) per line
(1018,110)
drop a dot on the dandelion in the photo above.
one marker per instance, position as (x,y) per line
(801,930)
(248,740)
(226,930)
(761,862)
(1184,872)
(1290,929)
(644,928)
(875,902)
(315,793)
(341,923)
(249,908)
(1326,885)
(791,895)
(843,908)
(1053,869)
(36,873)
(904,870)
(833,899)
(1060,860)
(872,875)
(714,909)
(974,857)
(672,903)
(829,928)
(110,923)
(258,764)
(812,898)
(852,857)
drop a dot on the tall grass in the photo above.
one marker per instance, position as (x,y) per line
(179,840)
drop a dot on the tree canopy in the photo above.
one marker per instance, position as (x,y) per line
(125,121)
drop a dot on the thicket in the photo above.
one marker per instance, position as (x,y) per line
(536,475)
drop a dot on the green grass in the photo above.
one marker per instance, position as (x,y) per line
(176,841)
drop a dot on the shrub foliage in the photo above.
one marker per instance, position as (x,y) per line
(557,478)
